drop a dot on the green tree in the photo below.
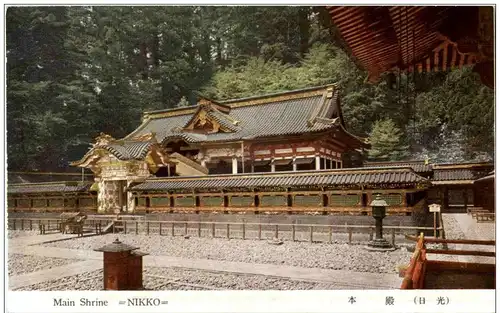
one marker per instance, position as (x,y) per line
(387,142)
(45,88)
(460,104)
(73,72)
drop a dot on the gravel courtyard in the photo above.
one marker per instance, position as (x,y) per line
(301,254)
(20,264)
(204,263)
(11,234)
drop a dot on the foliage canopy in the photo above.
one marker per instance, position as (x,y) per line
(73,72)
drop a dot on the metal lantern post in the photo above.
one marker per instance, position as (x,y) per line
(122,266)
(378,212)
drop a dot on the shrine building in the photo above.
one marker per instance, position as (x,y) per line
(287,153)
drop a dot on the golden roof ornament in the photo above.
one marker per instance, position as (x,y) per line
(103,139)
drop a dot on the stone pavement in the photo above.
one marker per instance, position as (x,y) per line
(463,226)
(93,261)
(53,273)
(474,230)
(36,239)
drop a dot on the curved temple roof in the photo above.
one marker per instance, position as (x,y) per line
(297,112)
(289,113)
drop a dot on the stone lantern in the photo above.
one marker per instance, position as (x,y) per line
(122,266)
(378,212)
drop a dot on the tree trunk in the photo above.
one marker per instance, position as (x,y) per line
(304,30)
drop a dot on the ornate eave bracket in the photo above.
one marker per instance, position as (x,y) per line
(103,139)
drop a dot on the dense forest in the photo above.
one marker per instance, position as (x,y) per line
(73,72)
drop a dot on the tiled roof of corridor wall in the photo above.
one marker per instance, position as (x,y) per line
(442,172)
(340,177)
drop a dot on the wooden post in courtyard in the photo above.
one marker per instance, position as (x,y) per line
(310,234)
(435,208)
(173,229)
(199,229)
(243,230)
(393,236)
(330,231)
(260,231)
(185,229)
(227,231)
(213,230)
(160,227)
(293,232)
(276,231)
(435,226)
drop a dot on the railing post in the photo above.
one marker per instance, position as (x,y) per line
(393,237)
(147,228)
(48,223)
(310,234)
(160,228)
(15,224)
(276,231)
(213,230)
(22,224)
(349,229)
(136,228)
(260,231)
(227,231)
(293,232)
(330,231)
(371,233)
(95,225)
(243,230)
(172,230)
(31,224)
(199,229)
(125,227)
(185,229)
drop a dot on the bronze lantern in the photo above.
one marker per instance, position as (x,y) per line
(378,212)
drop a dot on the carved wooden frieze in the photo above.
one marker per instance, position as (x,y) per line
(223,152)
(262,152)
